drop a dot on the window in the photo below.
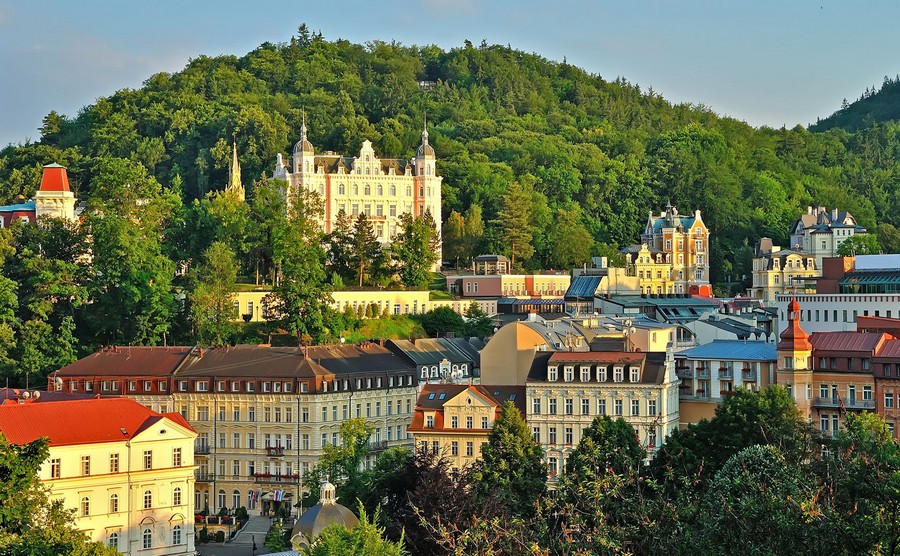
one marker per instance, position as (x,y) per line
(469,422)
(454,448)
(429,422)
(635,374)
(569,436)
(148,459)
(251,414)
(113,503)
(536,406)
(552,466)
(147,538)
(148,499)
(888,400)
(176,457)
(552,435)
(85,506)
(601,407)
(569,408)
(484,422)
(54,468)
(569,374)
(470,449)
(867,393)
(585,407)
(176,534)
(601,375)
(536,434)
(176,496)
(618,374)
(85,465)
(635,407)
(552,406)
(113,541)
(551,374)
(651,408)
(618,406)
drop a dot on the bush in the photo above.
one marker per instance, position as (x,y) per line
(204,535)
(220,536)
(241,514)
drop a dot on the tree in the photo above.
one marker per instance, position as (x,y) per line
(474,232)
(511,468)
(365,538)
(514,223)
(454,233)
(570,244)
(441,320)
(365,249)
(274,540)
(212,300)
(340,247)
(866,244)
(340,463)
(415,249)
(478,323)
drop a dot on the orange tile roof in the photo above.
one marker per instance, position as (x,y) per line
(55,178)
(78,422)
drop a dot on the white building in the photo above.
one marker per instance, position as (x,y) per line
(382,188)
(819,233)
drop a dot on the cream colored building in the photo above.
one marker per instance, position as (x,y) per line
(396,302)
(262,414)
(128,472)
(779,271)
(568,390)
(454,420)
(383,189)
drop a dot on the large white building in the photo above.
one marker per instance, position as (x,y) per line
(820,233)
(382,188)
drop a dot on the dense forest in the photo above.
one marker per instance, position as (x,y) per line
(873,106)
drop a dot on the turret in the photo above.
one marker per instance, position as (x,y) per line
(54,198)
(304,154)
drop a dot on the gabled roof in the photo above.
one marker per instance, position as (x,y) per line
(79,422)
(431,351)
(731,350)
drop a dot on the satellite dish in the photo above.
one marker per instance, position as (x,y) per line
(37,394)
(26,394)
(632,330)
(58,382)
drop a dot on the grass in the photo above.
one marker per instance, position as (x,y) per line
(439,295)
(398,327)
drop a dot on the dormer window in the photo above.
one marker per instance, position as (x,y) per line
(585,374)
(569,374)
(618,374)
(635,374)
(552,374)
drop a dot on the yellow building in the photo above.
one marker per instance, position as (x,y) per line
(262,414)
(454,420)
(781,271)
(673,257)
(128,472)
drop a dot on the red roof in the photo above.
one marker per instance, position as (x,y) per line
(128,362)
(55,178)
(78,422)
(865,342)
(890,348)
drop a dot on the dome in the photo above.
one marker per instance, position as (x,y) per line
(303,146)
(793,337)
(324,514)
(794,306)
(425,150)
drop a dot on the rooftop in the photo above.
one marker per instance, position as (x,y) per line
(731,350)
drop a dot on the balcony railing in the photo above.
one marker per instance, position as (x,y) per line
(848,404)
(685,373)
(204,477)
(275,451)
(726,372)
(748,374)
(201,449)
(378,445)
(702,373)
(275,478)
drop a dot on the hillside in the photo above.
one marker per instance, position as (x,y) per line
(872,107)
(593,153)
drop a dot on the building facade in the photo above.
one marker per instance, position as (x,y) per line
(54,199)
(127,471)
(262,414)
(383,189)
(781,271)
(673,257)
(820,233)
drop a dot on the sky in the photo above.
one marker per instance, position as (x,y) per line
(766,62)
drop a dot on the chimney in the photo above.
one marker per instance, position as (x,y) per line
(834,214)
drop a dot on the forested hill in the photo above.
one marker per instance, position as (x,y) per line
(588,152)
(871,108)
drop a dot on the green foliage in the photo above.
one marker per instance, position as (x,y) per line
(441,320)
(365,538)
(511,468)
(515,225)
(212,299)
(478,323)
(274,540)
(366,254)
(414,249)
(340,464)
(859,245)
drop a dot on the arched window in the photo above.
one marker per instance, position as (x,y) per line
(85,506)
(176,534)
(340,189)
(367,190)
(147,538)
(236,498)
(409,191)
(113,503)
(176,496)
(393,190)
(221,498)
(379,190)
(113,540)
(148,499)
(355,189)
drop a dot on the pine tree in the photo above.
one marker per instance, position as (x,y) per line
(514,221)
(454,232)
(365,250)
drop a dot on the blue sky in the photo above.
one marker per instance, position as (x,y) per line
(766,62)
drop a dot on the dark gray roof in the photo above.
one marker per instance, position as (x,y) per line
(431,351)
(582,288)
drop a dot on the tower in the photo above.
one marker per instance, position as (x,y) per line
(304,154)
(234,176)
(54,198)
(794,365)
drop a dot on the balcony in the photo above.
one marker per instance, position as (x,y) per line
(275,478)
(748,374)
(204,476)
(378,446)
(201,449)
(275,451)
(685,373)
(702,372)
(848,404)
(726,372)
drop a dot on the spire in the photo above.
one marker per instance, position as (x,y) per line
(303,145)
(425,149)
(303,128)
(234,174)
(794,337)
